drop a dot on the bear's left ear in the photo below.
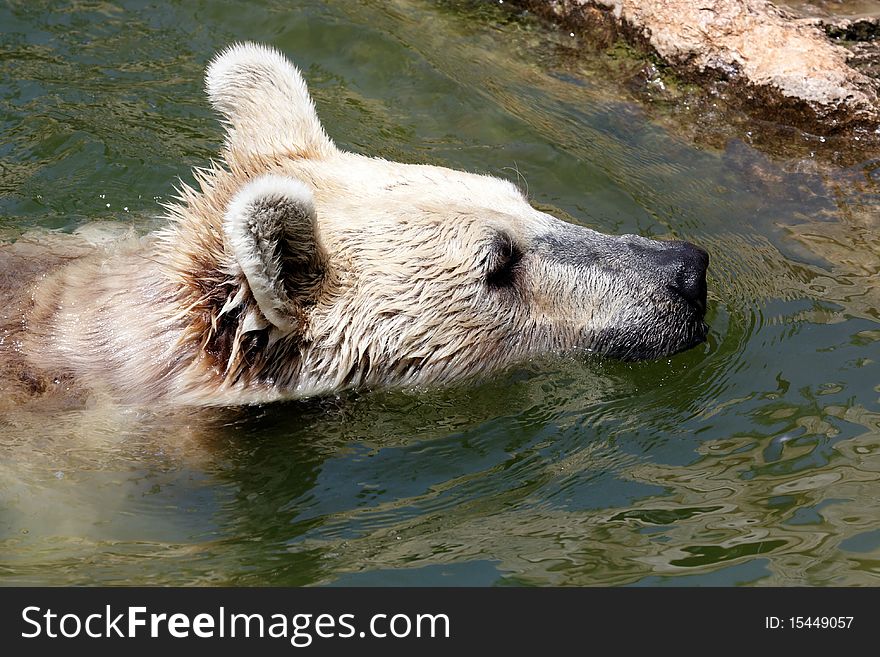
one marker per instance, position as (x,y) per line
(265,104)
(270,227)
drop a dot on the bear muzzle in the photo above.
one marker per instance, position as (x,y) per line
(645,298)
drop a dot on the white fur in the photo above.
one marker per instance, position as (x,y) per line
(266,103)
(264,281)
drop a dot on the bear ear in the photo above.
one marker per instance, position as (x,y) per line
(270,227)
(265,104)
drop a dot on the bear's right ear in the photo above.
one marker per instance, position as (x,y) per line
(270,227)
(265,104)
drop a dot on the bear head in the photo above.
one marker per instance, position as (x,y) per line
(304,269)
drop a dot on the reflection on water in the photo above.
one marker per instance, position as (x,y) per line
(752,459)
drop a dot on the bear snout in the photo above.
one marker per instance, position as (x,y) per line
(689,274)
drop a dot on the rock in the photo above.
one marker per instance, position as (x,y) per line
(785,63)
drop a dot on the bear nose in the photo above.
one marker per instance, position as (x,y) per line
(689,278)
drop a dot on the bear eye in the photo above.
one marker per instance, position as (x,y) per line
(506,255)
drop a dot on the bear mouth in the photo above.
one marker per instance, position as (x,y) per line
(656,340)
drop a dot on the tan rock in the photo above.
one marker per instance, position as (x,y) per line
(750,42)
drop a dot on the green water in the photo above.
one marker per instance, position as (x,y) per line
(751,460)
